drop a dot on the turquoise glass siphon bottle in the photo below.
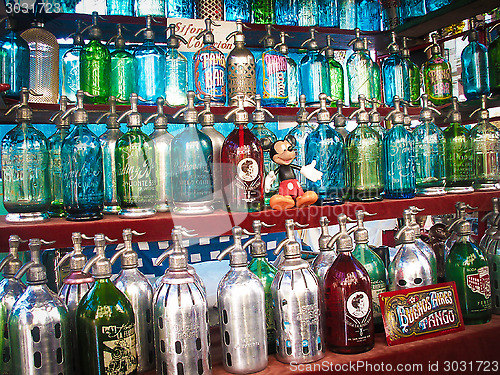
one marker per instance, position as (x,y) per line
(314,75)
(122,75)
(14,60)
(192,159)
(176,70)
(325,146)
(368,17)
(95,66)
(150,66)
(432,5)
(494,63)
(300,132)
(70,65)
(328,15)
(359,71)
(237,10)
(364,159)
(412,9)
(399,158)
(457,153)
(108,141)
(209,69)
(135,167)
(272,73)
(395,74)
(105,322)
(82,171)
(474,58)
(55,168)
(429,152)
(162,141)
(436,73)
(292,72)
(485,145)
(335,71)
(120,7)
(413,73)
(25,168)
(179,9)
(287,12)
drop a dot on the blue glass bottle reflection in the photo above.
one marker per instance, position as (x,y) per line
(179,9)
(399,158)
(412,9)
(475,79)
(395,74)
(286,12)
(347,14)
(150,67)
(328,16)
(368,15)
(120,7)
(314,74)
(326,146)
(14,61)
(432,5)
(237,10)
(176,70)
(82,171)
(70,65)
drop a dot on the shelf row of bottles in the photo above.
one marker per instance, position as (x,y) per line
(152,71)
(368,15)
(78,175)
(257,301)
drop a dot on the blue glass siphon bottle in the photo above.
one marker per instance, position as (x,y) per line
(192,179)
(292,72)
(70,65)
(395,74)
(432,5)
(287,12)
(399,157)
(82,171)
(429,153)
(314,76)
(150,66)
(325,146)
(209,69)
(359,71)
(176,70)
(120,7)
(25,168)
(272,73)
(412,9)
(328,15)
(475,79)
(368,17)
(307,12)
(238,10)
(179,9)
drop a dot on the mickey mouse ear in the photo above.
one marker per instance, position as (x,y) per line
(291,139)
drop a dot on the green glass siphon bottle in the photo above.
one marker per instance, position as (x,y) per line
(436,74)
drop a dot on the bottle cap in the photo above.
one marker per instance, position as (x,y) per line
(259,114)
(357,43)
(322,112)
(325,237)
(23,110)
(302,113)
(434,47)
(161,121)
(207,117)
(77,260)
(484,115)
(77,35)
(56,118)
(238,35)
(147,31)
(207,34)
(101,266)
(258,247)
(472,33)
(177,254)
(290,225)
(268,39)
(80,115)
(464,228)
(339,120)
(237,256)
(95,32)
(11,263)
(130,259)
(396,116)
(362,116)
(426,114)
(361,233)
(134,118)
(311,44)
(111,116)
(240,114)
(342,240)
(405,51)
(375,117)
(328,50)
(118,38)
(189,111)
(174,40)
(454,116)
(36,272)
(281,46)
(393,46)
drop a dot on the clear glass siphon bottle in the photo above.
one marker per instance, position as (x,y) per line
(292,72)
(240,67)
(122,75)
(44,63)
(150,66)
(272,73)
(153,8)
(55,167)
(209,68)
(436,74)
(457,153)
(70,65)
(359,71)
(135,167)
(335,70)
(191,159)
(82,171)
(314,71)
(108,144)
(162,141)
(242,165)
(95,66)
(14,60)
(176,70)
(395,74)
(364,159)
(25,167)
(429,153)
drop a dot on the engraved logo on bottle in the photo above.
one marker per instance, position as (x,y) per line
(358,304)
(480,282)
(119,351)
(248,169)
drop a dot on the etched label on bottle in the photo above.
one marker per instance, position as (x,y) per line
(210,74)
(480,282)
(274,69)
(192,180)
(459,164)
(485,154)
(358,314)
(440,84)
(248,178)
(119,351)
(241,79)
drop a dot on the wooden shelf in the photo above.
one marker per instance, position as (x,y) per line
(159,226)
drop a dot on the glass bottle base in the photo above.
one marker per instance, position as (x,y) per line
(84,217)
(26,217)
(351,349)
(481,319)
(111,210)
(486,186)
(161,207)
(57,210)
(193,208)
(136,213)
(364,195)
(459,189)
(429,191)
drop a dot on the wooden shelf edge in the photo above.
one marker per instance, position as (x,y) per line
(220,223)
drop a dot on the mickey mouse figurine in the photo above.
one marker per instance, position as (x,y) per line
(290,193)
